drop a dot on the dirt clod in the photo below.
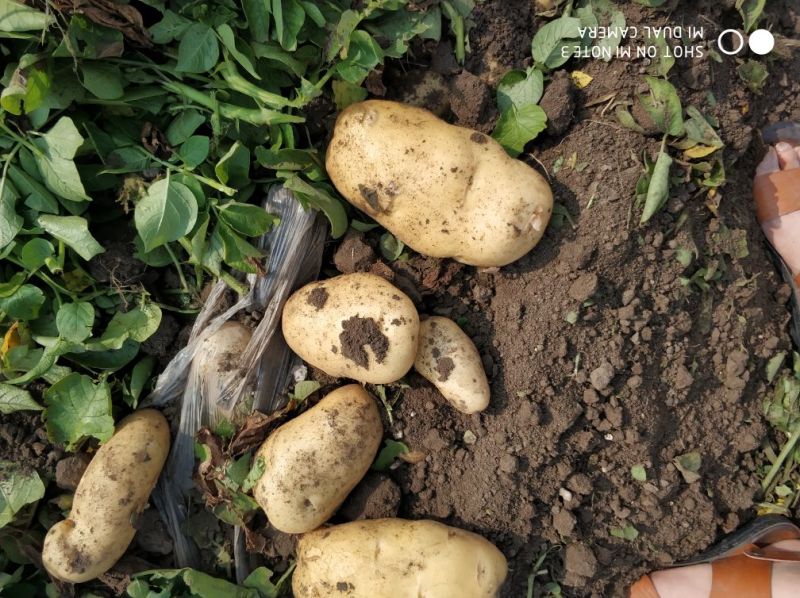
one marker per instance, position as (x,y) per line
(354,254)
(358,333)
(375,497)
(318,297)
(584,287)
(444,366)
(579,562)
(558,102)
(602,376)
(70,470)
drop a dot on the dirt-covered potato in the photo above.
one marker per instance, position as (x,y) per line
(114,489)
(313,461)
(216,365)
(443,190)
(397,558)
(448,359)
(357,326)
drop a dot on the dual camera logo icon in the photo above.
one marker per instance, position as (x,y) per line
(731,41)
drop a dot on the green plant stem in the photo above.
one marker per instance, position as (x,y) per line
(254,116)
(229,191)
(177,264)
(784,454)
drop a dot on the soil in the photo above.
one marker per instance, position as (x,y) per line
(599,357)
(358,333)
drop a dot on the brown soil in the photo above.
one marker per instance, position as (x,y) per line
(650,370)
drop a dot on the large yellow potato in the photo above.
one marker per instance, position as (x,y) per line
(443,190)
(448,359)
(395,558)
(313,461)
(114,489)
(357,326)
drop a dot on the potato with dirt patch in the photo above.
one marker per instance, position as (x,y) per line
(357,326)
(443,190)
(397,558)
(448,359)
(114,489)
(313,461)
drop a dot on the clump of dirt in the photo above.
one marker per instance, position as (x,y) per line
(318,297)
(444,365)
(357,333)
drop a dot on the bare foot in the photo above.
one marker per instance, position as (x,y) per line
(783,232)
(694,581)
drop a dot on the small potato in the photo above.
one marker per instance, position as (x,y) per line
(448,359)
(355,326)
(443,190)
(217,365)
(395,558)
(313,461)
(114,489)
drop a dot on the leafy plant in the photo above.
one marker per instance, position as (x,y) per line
(751,12)
(186,583)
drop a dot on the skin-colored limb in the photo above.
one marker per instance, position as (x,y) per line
(784,231)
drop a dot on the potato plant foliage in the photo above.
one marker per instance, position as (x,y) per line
(162,123)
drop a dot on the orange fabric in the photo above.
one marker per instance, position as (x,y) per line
(776,555)
(741,576)
(777,193)
(797,281)
(644,588)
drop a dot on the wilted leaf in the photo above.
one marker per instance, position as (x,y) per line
(658,188)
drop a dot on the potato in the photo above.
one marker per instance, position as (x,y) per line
(382,558)
(114,489)
(443,190)
(313,461)
(216,365)
(448,359)
(355,326)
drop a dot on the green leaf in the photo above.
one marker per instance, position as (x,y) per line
(665,60)
(689,466)
(340,38)
(257,14)
(391,247)
(27,90)
(261,581)
(166,213)
(304,389)
(699,130)
(663,106)
(774,365)
(229,41)
(639,473)
(183,126)
(255,473)
(237,252)
(658,189)
(554,43)
(20,485)
(751,12)
(139,376)
(16,17)
(390,451)
(519,88)
(35,253)
(289,18)
(518,126)
(754,74)
(76,409)
(72,231)
(198,51)
(626,119)
(24,304)
(651,3)
(319,198)
(234,167)
(238,470)
(75,320)
(58,171)
(246,219)
(171,26)
(138,324)
(13,398)
(104,81)
(628,533)
(10,221)
(194,150)
(346,93)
